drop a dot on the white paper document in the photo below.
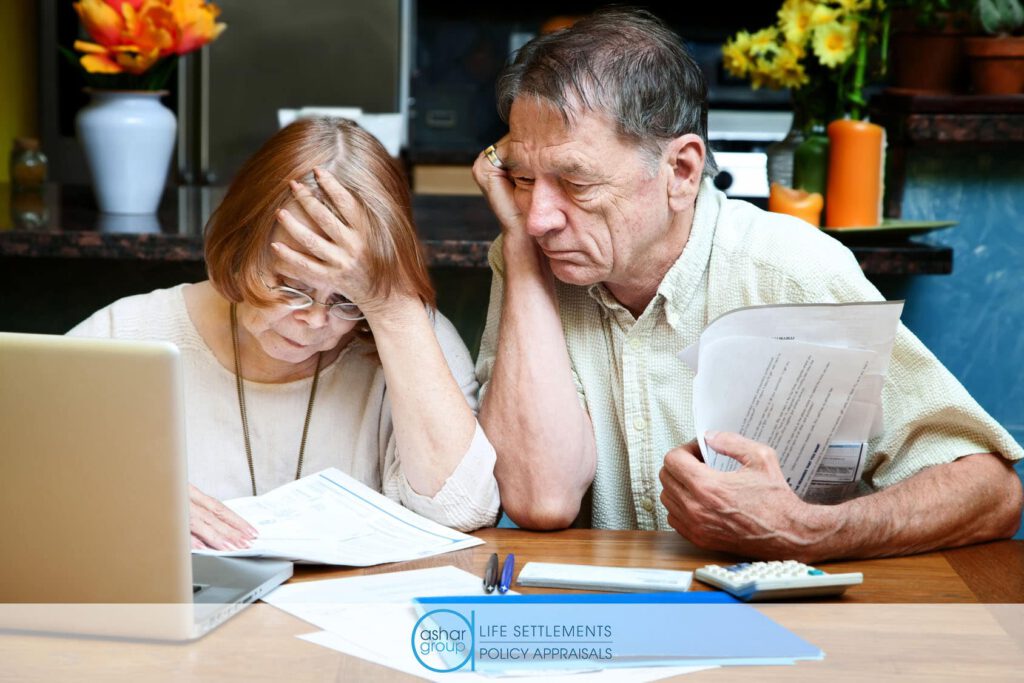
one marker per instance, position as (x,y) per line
(373,613)
(805,379)
(324,603)
(330,518)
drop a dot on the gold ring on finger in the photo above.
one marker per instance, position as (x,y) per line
(492,156)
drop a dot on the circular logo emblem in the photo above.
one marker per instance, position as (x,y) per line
(442,640)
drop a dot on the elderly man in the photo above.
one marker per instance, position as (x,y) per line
(616,251)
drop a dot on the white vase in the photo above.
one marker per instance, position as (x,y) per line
(124,222)
(128,138)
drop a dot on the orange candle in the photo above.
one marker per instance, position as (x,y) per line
(856,168)
(799,203)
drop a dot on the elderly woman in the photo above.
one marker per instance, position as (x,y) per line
(315,342)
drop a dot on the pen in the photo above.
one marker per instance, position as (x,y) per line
(506,573)
(491,573)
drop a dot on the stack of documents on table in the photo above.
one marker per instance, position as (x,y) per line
(330,518)
(372,617)
(805,379)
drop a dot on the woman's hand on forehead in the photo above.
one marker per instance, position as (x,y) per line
(334,261)
(352,215)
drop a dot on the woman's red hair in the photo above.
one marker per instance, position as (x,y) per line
(238,232)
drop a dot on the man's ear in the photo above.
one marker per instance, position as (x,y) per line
(685,155)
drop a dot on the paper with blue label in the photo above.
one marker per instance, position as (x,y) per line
(552,632)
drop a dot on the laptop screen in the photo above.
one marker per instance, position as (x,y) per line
(93,478)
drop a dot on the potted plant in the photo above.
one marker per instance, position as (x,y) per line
(997,60)
(125,131)
(927,44)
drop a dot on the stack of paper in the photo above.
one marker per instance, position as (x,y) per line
(805,379)
(330,518)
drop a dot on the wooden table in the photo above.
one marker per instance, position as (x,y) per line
(917,618)
(991,572)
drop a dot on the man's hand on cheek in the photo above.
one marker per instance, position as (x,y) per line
(497,185)
(750,512)
(496,181)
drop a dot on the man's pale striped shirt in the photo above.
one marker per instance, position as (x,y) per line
(639,394)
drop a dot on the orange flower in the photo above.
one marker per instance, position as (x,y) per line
(115,60)
(133,60)
(132,35)
(116,4)
(97,59)
(151,29)
(104,23)
(196,22)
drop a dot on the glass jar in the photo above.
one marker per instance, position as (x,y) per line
(810,161)
(29,210)
(28,165)
(810,110)
(780,157)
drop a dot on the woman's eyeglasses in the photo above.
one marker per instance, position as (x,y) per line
(296,299)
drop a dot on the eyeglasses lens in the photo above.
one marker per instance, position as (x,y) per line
(348,311)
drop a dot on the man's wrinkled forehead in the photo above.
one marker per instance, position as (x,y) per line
(570,108)
(555,129)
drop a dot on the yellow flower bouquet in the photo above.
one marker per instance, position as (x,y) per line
(822,51)
(818,49)
(135,43)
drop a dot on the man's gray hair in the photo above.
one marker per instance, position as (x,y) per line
(625,63)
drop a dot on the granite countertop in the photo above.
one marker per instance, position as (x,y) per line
(456,231)
(913,117)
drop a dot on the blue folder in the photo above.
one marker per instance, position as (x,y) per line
(604,631)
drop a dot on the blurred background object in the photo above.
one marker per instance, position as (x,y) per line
(28,173)
(19,116)
(996,59)
(28,165)
(29,210)
(806,206)
(926,44)
(557,23)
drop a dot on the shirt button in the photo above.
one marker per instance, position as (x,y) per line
(639,424)
(634,343)
(647,504)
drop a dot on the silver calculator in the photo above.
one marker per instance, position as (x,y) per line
(776,580)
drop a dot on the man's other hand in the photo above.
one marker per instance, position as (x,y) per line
(750,512)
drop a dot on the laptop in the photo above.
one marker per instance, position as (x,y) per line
(94,496)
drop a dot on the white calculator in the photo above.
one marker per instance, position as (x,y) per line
(775,580)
